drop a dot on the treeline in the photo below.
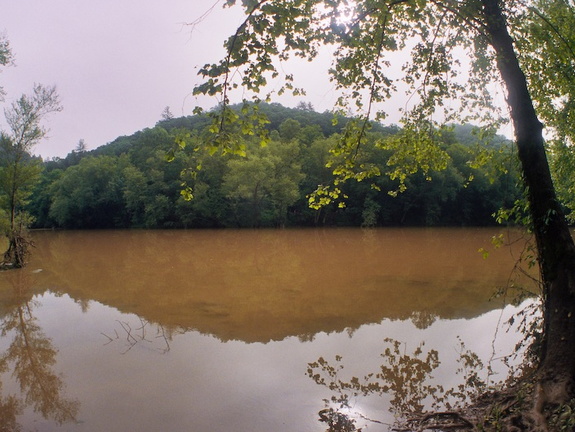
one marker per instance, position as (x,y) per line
(129,183)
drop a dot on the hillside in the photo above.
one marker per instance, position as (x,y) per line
(129,182)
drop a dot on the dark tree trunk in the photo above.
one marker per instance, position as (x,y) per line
(555,247)
(18,250)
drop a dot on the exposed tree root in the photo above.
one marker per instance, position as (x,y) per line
(521,408)
(18,252)
(444,420)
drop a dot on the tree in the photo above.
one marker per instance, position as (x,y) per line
(78,153)
(266,179)
(289,129)
(18,170)
(363,36)
(5,59)
(90,194)
(41,198)
(145,196)
(548,41)
(167,114)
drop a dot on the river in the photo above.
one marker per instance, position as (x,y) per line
(221,330)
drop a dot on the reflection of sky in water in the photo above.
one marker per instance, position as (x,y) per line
(203,384)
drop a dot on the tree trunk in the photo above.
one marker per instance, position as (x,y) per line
(17,253)
(555,247)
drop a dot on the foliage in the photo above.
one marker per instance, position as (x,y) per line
(563,417)
(364,36)
(19,172)
(89,194)
(367,41)
(547,34)
(130,183)
(268,177)
(5,59)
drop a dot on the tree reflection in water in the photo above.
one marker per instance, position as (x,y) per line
(144,332)
(31,357)
(407,379)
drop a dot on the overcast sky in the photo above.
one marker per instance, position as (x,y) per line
(117,63)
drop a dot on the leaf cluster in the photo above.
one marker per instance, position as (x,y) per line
(369,41)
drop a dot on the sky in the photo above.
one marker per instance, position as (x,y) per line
(118,63)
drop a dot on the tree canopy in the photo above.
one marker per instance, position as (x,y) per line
(130,183)
(19,172)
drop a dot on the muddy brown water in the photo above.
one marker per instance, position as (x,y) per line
(214,330)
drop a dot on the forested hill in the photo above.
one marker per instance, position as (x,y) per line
(130,183)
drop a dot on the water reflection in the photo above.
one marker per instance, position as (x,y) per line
(258,286)
(209,330)
(409,382)
(31,358)
(143,332)
(406,378)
